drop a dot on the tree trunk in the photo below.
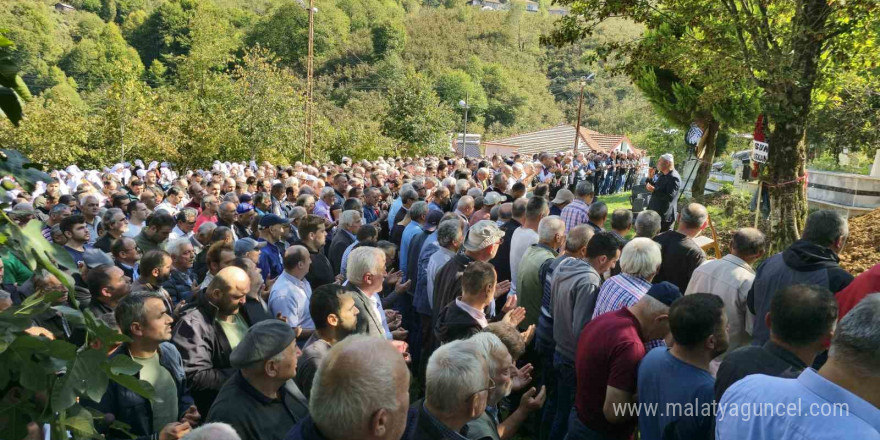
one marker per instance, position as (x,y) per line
(787,102)
(704,167)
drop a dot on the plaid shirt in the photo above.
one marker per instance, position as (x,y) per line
(575,214)
(618,292)
(621,291)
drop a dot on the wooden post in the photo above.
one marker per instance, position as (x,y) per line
(758,206)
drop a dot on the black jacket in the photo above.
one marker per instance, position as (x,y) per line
(665,195)
(204,349)
(454,323)
(341,241)
(132,409)
(681,256)
(771,359)
(802,263)
(502,257)
(321,271)
(447,282)
(255,416)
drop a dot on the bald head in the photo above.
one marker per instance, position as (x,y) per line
(228,289)
(506,211)
(361,390)
(693,216)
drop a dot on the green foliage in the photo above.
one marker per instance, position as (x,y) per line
(286,31)
(94,62)
(388,38)
(416,118)
(13,90)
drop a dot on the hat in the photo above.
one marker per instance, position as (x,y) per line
(95,257)
(262,341)
(272,219)
(22,208)
(492,199)
(482,234)
(244,208)
(563,196)
(433,219)
(247,244)
(664,292)
(245,198)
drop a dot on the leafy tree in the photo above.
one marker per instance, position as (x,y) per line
(781,48)
(416,118)
(285,33)
(95,62)
(388,38)
(108,10)
(13,90)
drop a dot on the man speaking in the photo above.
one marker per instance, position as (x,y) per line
(664,192)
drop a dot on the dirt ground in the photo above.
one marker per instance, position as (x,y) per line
(862,249)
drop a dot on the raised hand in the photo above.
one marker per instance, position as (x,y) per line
(532,400)
(523,377)
(529,334)
(502,288)
(509,304)
(174,431)
(515,316)
(191,416)
(393,278)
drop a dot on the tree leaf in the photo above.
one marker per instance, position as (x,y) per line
(33,377)
(124,365)
(10,105)
(73,315)
(81,420)
(139,387)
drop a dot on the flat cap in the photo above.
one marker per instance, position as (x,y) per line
(262,341)
(664,292)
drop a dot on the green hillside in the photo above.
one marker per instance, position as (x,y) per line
(192,81)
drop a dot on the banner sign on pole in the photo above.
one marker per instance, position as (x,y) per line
(760,151)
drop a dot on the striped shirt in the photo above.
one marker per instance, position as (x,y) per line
(621,291)
(575,214)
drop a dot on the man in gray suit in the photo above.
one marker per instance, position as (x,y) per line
(365,274)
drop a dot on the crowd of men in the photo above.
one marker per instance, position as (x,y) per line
(310,301)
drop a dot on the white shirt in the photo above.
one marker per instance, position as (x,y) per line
(290,297)
(730,278)
(522,239)
(167,207)
(478,315)
(133,230)
(177,233)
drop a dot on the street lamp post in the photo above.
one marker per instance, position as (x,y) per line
(464,104)
(577,128)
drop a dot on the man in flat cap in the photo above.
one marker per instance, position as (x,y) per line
(261,401)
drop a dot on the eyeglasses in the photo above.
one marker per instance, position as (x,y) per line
(490,388)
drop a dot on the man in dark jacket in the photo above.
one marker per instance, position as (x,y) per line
(345,235)
(457,392)
(313,235)
(664,193)
(181,281)
(144,319)
(260,400)
(681,254)
(359,359)
(208,330)
(502,257)
(465,316)
(810,260)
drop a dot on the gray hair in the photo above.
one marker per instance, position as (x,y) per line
(475,192)
(748,241)
(492,349)
(462,185)
(131,309)
(326,191)
(668,157)
(583,188)
(621,219)
(824,227)
(549,227)
(408,194)
(175,247)
(107,218)
(297,212)
(598,211)
(208,199)
(354,381)
(455,371)
(694,215)
(190,213)
(448,232)
(641,258)
(364,260)
(207,228)
(647,224)
(465,201)
(418,210)
(349,218)
(857,337)
(213,431)
(578,237)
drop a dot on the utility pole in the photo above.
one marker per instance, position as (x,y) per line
(577,128)
(309,83)
(464,104)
